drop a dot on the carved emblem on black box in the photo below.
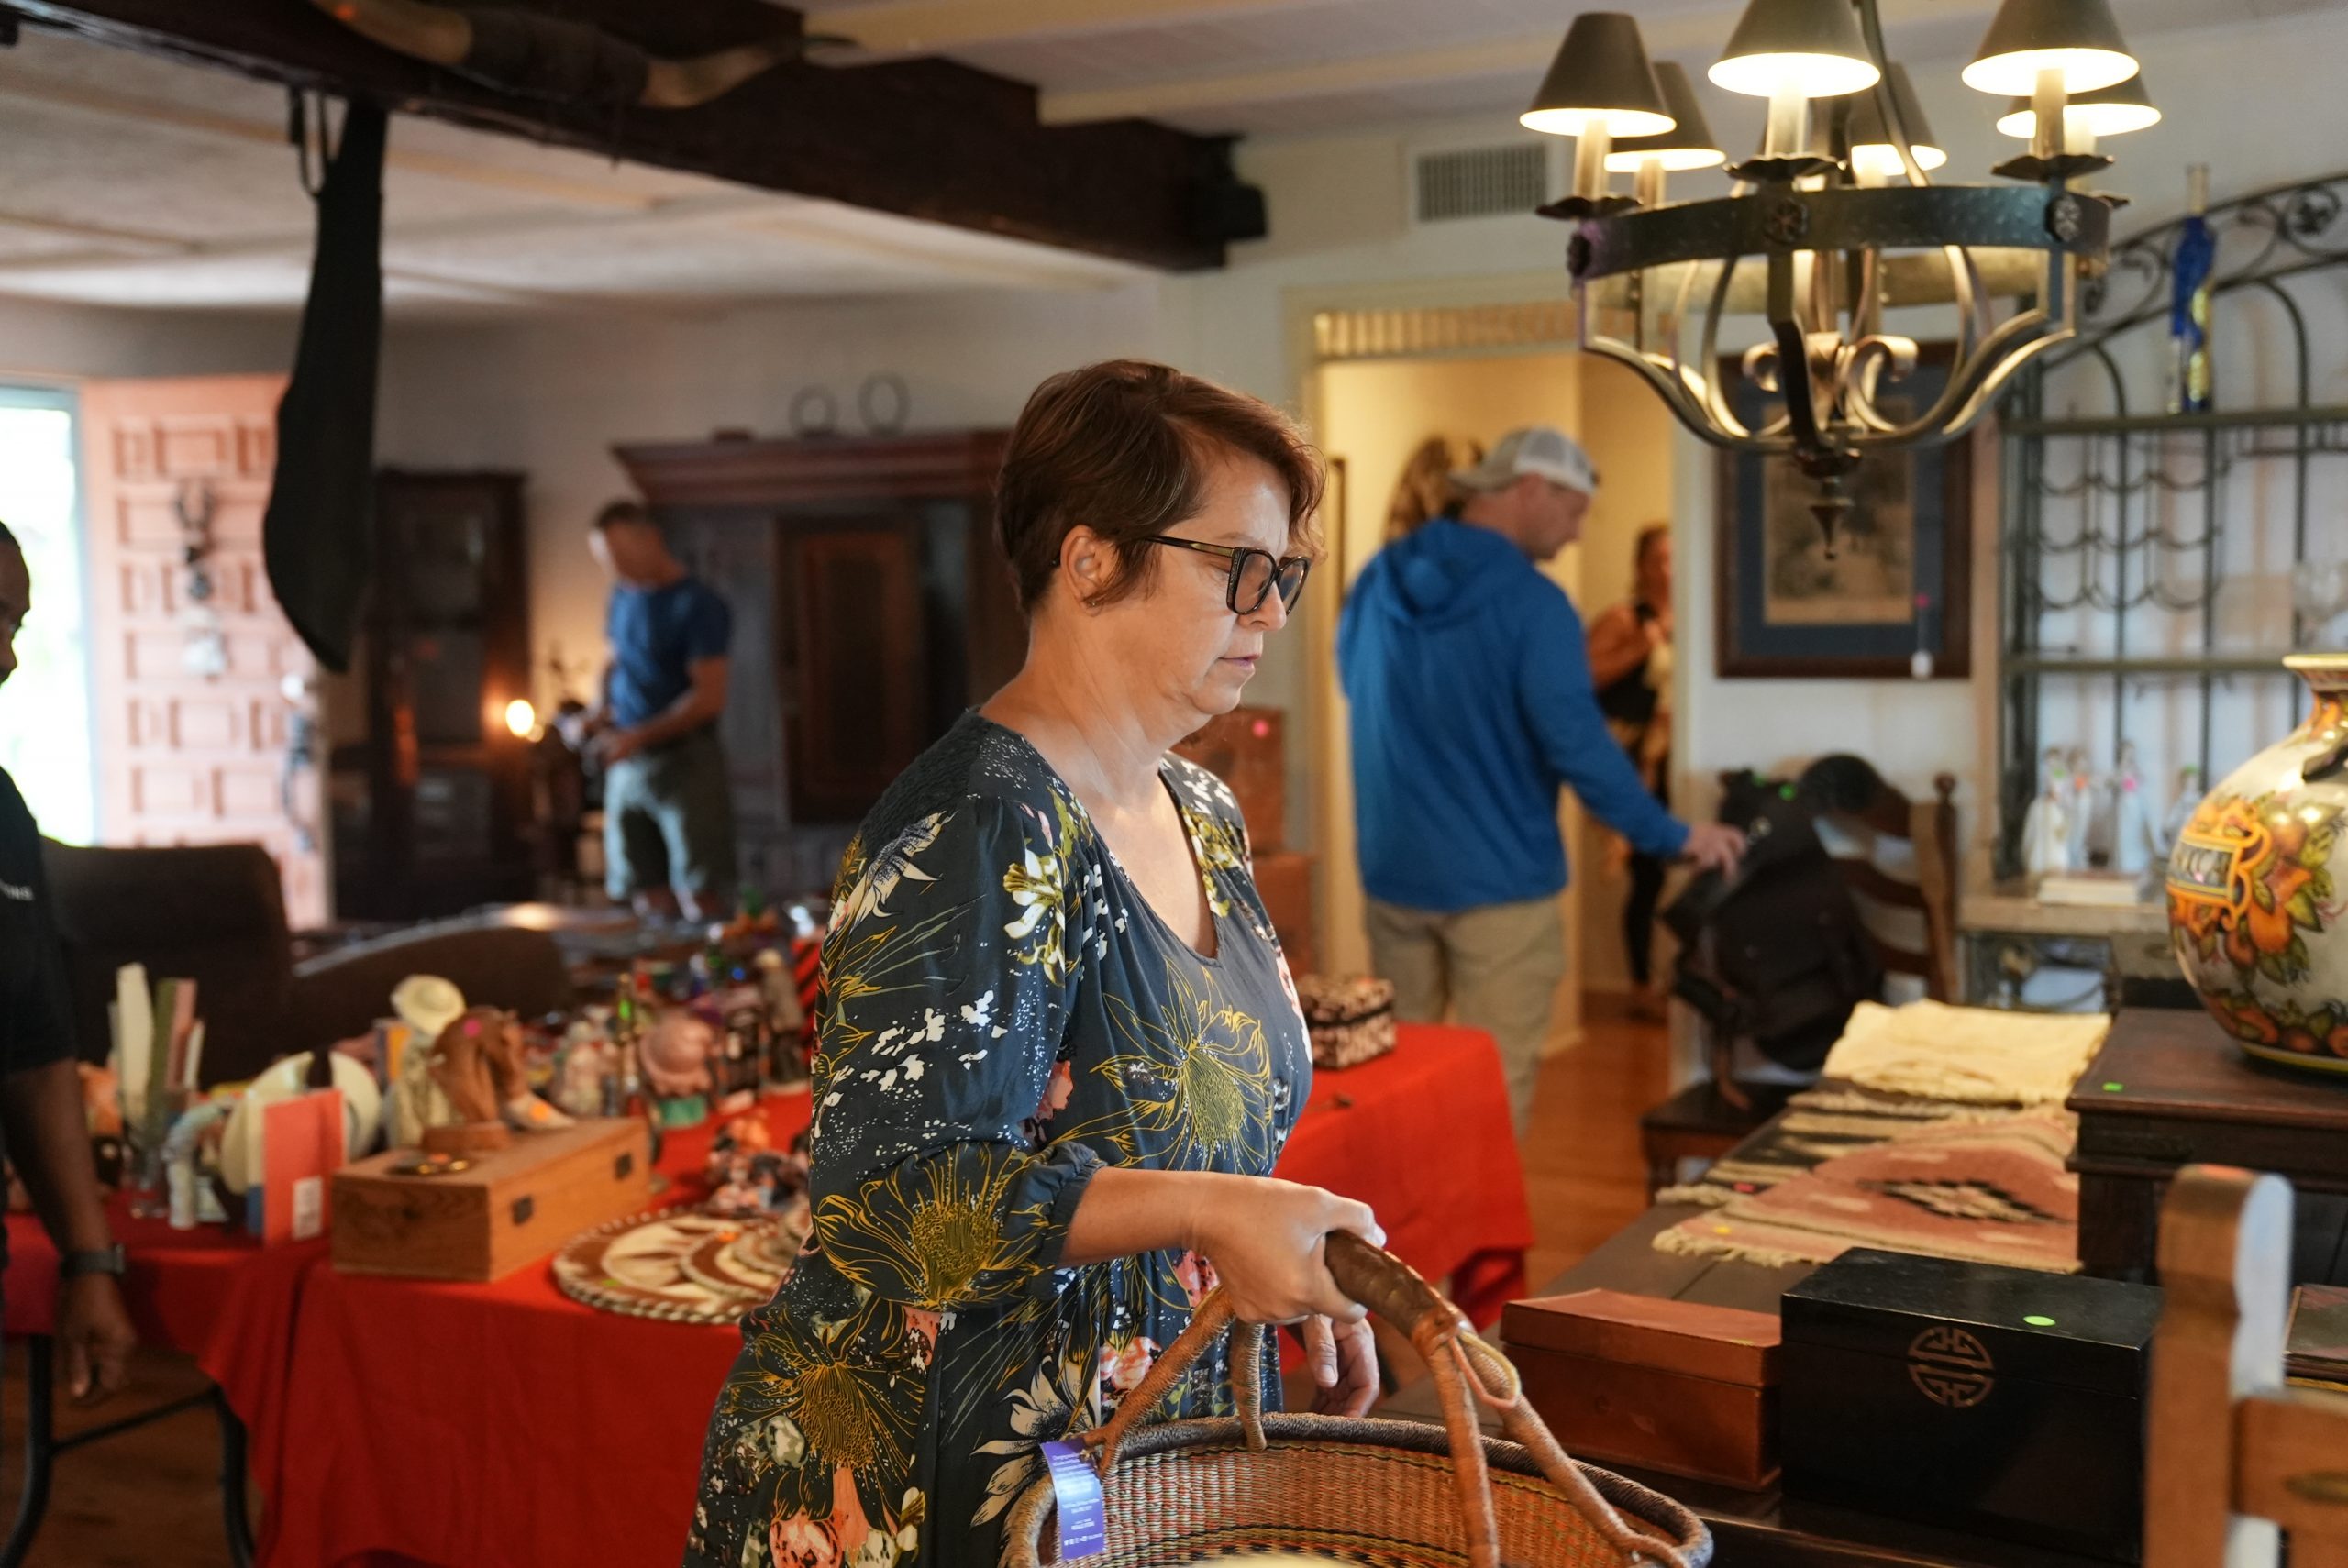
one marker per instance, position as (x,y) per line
(1951,1367)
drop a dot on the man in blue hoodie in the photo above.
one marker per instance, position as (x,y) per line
(1469,684)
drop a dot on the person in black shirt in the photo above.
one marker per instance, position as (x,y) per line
(1630,663)
(42,1117)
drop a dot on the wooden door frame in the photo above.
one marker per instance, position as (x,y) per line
(1466,317)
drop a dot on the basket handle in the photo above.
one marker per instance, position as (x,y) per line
(1465,1371)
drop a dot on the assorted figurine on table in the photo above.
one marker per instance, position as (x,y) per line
(749,1179)
(676,1044)
(2080,821)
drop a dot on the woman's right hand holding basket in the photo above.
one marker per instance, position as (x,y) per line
(1266,1240)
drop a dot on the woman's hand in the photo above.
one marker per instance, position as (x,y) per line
(1344,1366)
(1266,1238)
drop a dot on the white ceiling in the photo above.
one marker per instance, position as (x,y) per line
(135,181)
(129,180)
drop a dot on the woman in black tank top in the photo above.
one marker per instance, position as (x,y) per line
(1630,662)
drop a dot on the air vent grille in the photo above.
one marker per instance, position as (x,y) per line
(1482,181)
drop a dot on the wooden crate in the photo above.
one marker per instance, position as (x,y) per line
(511,1208)
(1285,883)
(1246,748)
(1669,1385)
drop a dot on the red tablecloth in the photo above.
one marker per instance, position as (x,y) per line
(494,1425)
(1423,1136)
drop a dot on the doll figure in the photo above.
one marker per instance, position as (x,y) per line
(2084,794)
(2134,844)
(2046,827)
(580,1070)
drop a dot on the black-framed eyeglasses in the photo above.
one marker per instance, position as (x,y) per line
(1254,572)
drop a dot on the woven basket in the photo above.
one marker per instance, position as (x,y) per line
(1388,1494)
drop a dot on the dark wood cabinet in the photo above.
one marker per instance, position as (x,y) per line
(871,606)
(430,799)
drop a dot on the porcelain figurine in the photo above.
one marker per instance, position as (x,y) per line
(2134,844)
(2082,781)
(2257,916)
(2046,827)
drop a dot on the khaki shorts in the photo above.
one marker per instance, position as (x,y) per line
(1495,967)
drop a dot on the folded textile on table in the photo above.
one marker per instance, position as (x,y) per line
(1982,1055)
(1984,1190)
(1819,1124)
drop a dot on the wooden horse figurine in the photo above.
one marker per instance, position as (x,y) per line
(2235,1459)
(477,1063)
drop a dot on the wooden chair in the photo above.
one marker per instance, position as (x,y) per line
(1899,859)
(1902,864)
(2234,1459)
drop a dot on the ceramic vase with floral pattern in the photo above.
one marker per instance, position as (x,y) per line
(2259,888)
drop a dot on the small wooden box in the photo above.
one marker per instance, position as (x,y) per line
(1669,1385)
(512,1208)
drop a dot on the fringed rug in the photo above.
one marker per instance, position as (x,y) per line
(1987,1191)
(1819,1124)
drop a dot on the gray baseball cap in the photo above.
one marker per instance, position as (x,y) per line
(1541,449)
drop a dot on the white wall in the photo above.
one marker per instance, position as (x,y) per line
(44,341)
(551,398)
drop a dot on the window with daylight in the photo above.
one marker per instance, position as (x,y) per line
(45,706)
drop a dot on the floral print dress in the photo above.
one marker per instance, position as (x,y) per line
(1003,1015)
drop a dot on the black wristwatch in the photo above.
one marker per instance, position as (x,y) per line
(111,1260)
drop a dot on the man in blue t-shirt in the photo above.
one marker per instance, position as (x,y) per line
(1471,705)
(667,806)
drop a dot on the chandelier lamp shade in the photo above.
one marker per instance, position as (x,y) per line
(1689,143)
(2108,111)
(1874,146)
(1832,220)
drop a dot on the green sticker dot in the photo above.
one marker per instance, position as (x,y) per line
(2113,1088)
(2035,1321)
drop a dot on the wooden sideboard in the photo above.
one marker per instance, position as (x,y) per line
(871,606)
(2170,1089)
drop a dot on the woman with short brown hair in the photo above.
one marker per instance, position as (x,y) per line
(1059,1048)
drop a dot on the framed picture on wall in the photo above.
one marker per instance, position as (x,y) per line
(1898,579)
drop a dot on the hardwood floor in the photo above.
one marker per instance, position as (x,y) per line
(1583,1169)
(149,1498)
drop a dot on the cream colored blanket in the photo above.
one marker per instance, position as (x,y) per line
(1975,1053)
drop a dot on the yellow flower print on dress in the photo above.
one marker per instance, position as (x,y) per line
(1220,852)
(1197,1080)
(824,1398)
(935,1233)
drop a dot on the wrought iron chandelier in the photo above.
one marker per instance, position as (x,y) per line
(1834,219)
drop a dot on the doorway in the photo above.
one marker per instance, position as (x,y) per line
(1372,415)
(45,708)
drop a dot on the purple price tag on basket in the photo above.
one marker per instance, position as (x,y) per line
(1078,1487)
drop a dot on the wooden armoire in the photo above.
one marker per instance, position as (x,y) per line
(871,606)
(431,793)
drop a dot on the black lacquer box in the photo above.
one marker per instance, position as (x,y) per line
(2000,1401)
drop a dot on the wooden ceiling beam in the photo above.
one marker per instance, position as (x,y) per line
(925,139)
(940,26)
